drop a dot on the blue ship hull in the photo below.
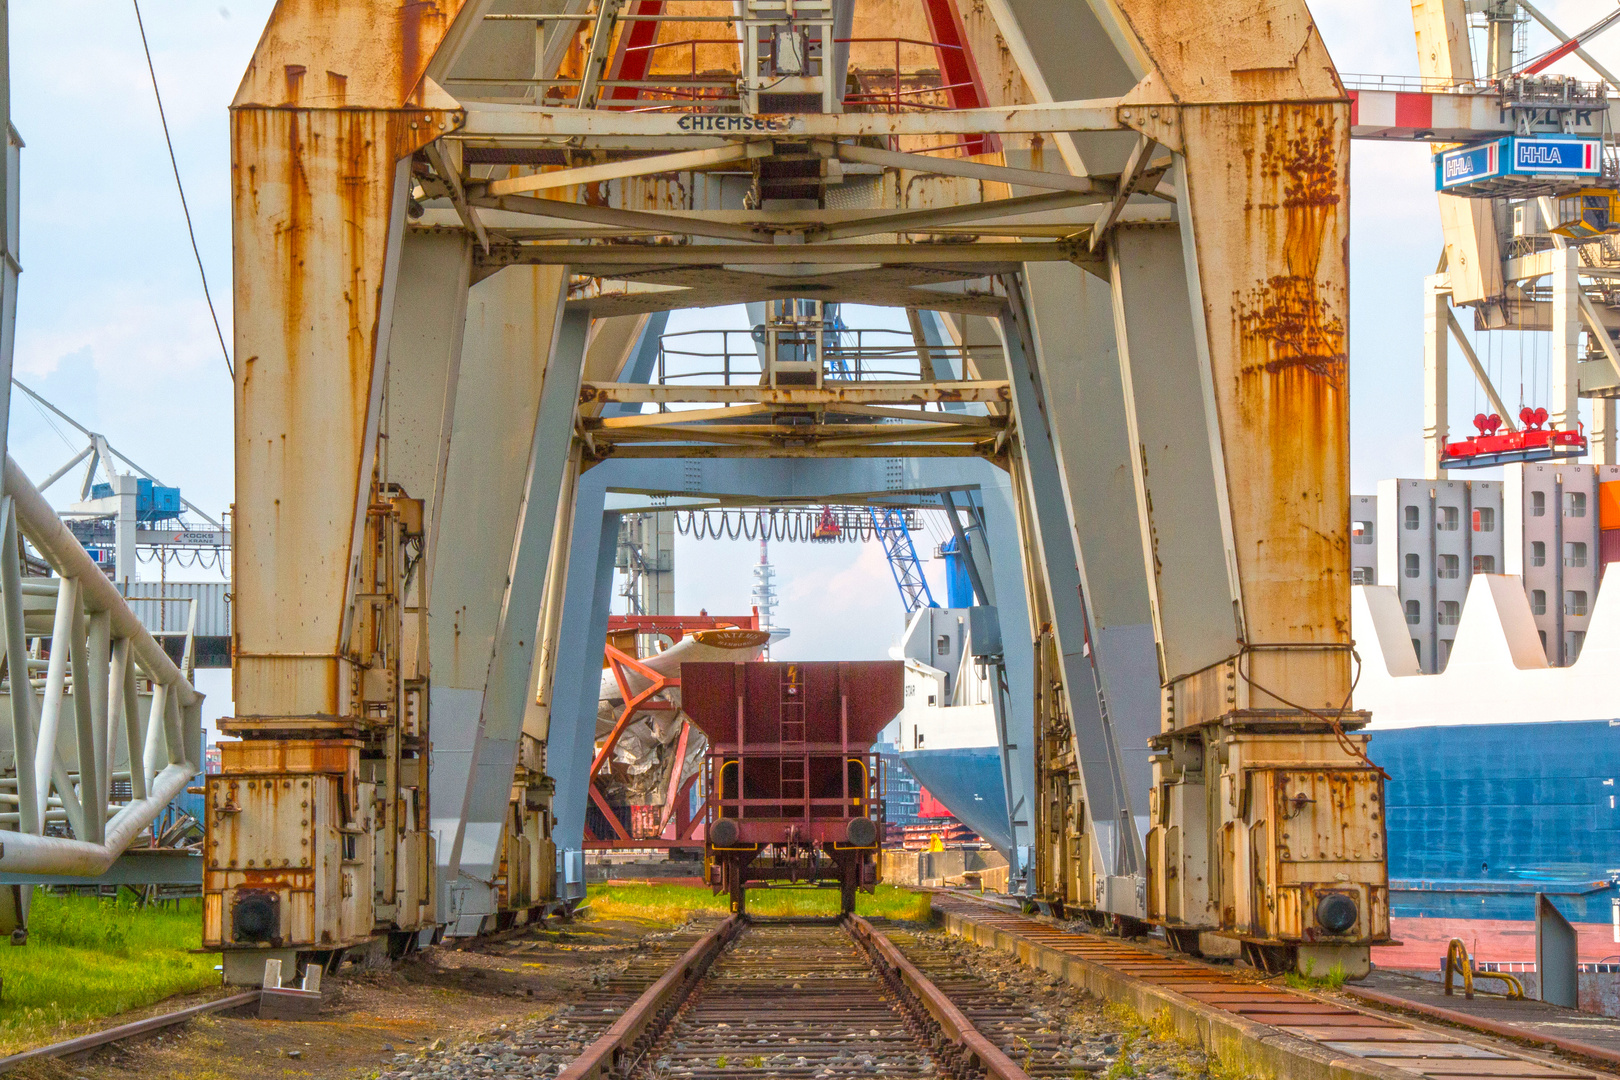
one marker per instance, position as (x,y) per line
(1481,817)
(968,781)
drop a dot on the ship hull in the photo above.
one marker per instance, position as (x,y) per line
(968,781)
(1481,818)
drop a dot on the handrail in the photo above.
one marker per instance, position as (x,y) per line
(98,648)
(1459,962)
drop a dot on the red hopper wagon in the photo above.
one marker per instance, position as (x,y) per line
(794,789)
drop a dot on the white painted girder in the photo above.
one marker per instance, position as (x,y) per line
(1072,320)
(511,329)
(515,125)
(1182,536)
(424,367)
(1049,539)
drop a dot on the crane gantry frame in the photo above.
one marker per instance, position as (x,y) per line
(438,210)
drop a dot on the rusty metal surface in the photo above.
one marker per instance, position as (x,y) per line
(1272,240)
(334,100)
(252,756)
(313,198)
(608,1054)
(797,997)
(327,108)
(360,54)
(1231,51)
(298,838)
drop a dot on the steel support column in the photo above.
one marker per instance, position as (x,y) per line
(1255,713)
(1179,501)
(307,293)
(1072,320)
(1603,432)
(1436,377)
(547,468)
(1001,545)
(1183,529)
(511,333)
(576,686)
(322,130)
(1116,849)
(1563,404)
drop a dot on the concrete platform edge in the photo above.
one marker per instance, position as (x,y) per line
(1258,1048)
(1481,1024)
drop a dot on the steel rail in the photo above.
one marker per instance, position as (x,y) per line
(600,259)
(128,1031)
(617,1051)
(654,1007)
(952,1021)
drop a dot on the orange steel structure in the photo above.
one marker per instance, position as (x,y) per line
(446,218)
(622,631)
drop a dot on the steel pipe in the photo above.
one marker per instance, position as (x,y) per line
(50,716)
(27,853)
(50,535)
(98,636)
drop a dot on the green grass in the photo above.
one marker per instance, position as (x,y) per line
(88,958)
(674,903)
(1333,980)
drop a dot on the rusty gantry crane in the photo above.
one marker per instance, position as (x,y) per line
(451,220)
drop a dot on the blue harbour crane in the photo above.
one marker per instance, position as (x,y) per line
(890,527)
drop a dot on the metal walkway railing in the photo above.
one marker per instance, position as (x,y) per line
(106,703)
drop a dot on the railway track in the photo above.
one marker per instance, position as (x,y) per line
(1309,1035)
(809,999)
(590,1012)
(818,999)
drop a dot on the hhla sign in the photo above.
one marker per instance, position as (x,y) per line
(1514,155)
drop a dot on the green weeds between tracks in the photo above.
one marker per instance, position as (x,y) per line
(1333,980)
(88,958)
(1161,1026)
(673,903)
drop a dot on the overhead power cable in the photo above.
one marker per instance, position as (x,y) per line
(181,188)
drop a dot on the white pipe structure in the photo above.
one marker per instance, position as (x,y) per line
(98,649)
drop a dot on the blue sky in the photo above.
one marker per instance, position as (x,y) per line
(112,326)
